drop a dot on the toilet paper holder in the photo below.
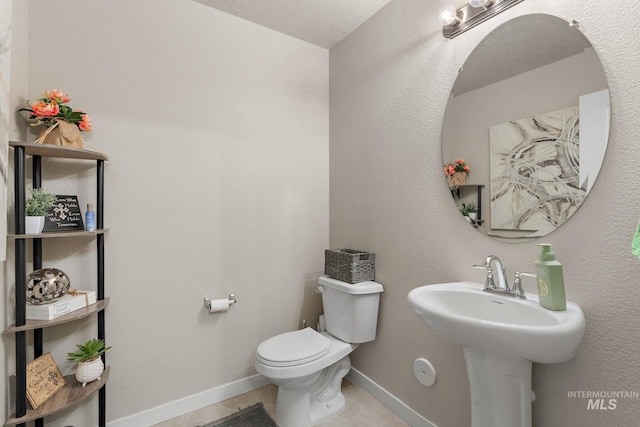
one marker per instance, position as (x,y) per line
(208,301)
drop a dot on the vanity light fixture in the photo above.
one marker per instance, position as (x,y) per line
(468,16)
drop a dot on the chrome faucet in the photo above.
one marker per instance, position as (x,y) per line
(492,263)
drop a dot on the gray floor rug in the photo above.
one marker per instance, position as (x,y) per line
(253,416)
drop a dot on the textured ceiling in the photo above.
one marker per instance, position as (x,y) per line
(522,44)
(321,22)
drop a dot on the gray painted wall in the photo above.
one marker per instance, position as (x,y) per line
(390,81)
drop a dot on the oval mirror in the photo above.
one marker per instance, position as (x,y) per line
(529,116)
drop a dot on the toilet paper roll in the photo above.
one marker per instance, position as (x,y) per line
(219,305)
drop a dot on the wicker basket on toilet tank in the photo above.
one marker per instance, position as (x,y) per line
(349,265)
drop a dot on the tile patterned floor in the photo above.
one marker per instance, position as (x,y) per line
(360,410)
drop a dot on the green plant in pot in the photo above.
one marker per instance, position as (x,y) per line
(90,365)
(472,210)
(465,213)
(36,208)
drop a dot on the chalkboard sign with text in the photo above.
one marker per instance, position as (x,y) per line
(64,215)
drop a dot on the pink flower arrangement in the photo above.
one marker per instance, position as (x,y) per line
(51,107)
(458,166)
(456,173)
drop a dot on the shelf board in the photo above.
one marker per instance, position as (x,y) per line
(70,317)
(471,186)
(59,151)
(49,234)
(71,394)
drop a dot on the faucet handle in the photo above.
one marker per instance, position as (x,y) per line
(488,284)
(517,284)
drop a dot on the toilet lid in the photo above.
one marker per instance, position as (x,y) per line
(293,348)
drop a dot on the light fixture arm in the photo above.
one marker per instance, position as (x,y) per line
(471,16)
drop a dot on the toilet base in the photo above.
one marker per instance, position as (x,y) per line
(321,411)
(307,402)
(294,409)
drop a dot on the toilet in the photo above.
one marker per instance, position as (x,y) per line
(308,366)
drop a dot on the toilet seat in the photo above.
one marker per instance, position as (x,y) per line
(293,348)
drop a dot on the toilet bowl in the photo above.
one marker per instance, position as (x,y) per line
(308,366)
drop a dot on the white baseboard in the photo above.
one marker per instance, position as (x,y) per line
(191,403)
(388,400)
(197,401)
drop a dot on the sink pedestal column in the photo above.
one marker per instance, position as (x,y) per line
(500,389)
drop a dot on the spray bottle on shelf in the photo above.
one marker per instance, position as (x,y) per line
(91,218)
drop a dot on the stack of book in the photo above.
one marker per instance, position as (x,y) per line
(61,306)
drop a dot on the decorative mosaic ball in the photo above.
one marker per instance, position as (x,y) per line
(46,285)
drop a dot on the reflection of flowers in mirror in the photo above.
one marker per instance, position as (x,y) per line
(458,166)
(456,173)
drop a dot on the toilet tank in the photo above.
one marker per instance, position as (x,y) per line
(350,310)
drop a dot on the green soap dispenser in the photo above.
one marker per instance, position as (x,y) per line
(550,280)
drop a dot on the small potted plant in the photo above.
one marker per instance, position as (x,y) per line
(90,365)
(36,208)
(465,213)
(472,211)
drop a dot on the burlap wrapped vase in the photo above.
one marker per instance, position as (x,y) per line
(61,133)
(456,180)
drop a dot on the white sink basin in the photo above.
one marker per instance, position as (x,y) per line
(502,325)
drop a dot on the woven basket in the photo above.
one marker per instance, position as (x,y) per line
(349,265)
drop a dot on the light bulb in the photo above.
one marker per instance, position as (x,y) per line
(480,3)
(449,15)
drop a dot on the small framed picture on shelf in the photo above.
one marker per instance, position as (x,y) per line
(44,379)
(64,215)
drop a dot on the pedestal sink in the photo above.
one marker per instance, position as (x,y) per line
(501,336)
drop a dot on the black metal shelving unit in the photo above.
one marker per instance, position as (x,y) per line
(72,394)
(478,189)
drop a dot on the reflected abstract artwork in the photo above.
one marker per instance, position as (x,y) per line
(535,172)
